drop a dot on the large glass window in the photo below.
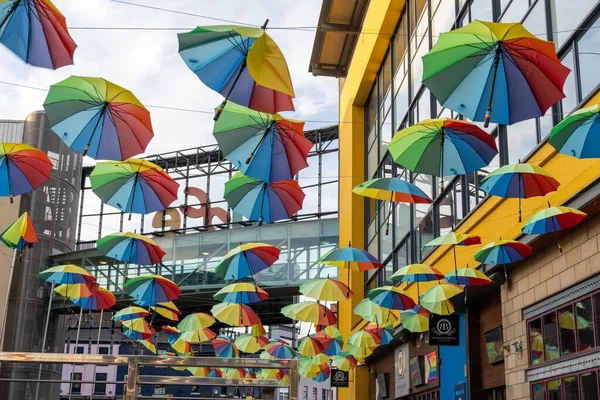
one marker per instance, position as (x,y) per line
(522,138)
(535,22)
(584,324)
(443,18)
(550,337)
(571,388)
(554,390)
(515,11)
(482,10)
(100,385)
(583,386)
(566,323)
(536,342)
(539,391)
(589,58)
(567,17)
(589,385)
(570,88)
(76,386)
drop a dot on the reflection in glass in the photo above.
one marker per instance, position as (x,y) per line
(539,391)
(401,102)
(522,138)
(554,392)
(493,345)
(571,388)
(570,90)
(585,324)
(589,59)
(535,22)
(536,343)
(482,10)
(567,17)
(515,12)
(443,18)
(550,336)
(566,323)
(589,386)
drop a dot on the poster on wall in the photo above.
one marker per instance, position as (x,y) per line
(416,378)
(402,378)
(444,330)
(430,362)
(494,345)
(381,386)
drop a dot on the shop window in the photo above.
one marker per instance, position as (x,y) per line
(589,385)
(536,343)
(571,388)
(596,301)
(100,385)
(566,324)
(76,386)
(570,88)
(494,345)
(584,324)
(567,17)
(589,59)
(550,336)
(554,389)
(539,391)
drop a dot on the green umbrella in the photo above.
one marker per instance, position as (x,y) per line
(578,135)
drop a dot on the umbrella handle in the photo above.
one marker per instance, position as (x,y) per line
(488,113)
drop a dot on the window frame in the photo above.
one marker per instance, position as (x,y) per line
(576,374)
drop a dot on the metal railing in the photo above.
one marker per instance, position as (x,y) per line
(133,378)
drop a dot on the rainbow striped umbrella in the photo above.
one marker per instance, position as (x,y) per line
(578,134)
(351,258)
(19,234)
(279,349)
(225,347)
(326,290)
(468,277)
(311,346)
(175,340)
(415,319)
(131,247)
(69,274)
(416,273)
(454,239)
(503,252)
(196,322)
(137,329)
(98,118)
(324,373)
(197,336)
(101,299)
(201,372)
(332,339)
(149,290)
(247,260)
(384,332)
(372,312)
(234,373)
(241,293)
(391,297)
(345,361)
(308,311)
(167,310)
(362,343)
(77,290)
(249,343)
(148,344)
(553,219)
(235,314)
(437,298)
(23,168)
(128,313)
(133,186)
(36,32)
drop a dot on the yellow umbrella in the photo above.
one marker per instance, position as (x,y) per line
(250,344)
(373,312)
(362,343)
(149,344)
(167,310)
(77,290)
(235,314)
(195,322)
(199,336)
(566,320)
(437,298)
(201,372)
(232,373)
(258,330)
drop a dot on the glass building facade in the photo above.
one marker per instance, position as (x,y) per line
(398,99)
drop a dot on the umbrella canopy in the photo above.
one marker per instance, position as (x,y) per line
(250,344)
(552,219)
(128,313)
(77,290)
(131,247)
(149,290)
(241,293)
(243,64)
(309,367)
(201,372)
(269,373)
(279,349)
(384,332)
(177,343)
(468,277)
(326,290)
(323,374)
(101,299)
(197,336)
(443,147)
(98,118)
(247,260)
(308,311)
(345,361)
(137,328)
(134,186)
(258,330)
(68,274)
(167,310)
(391,297)
(520,181)
(416,273)
(362,343)
(373,312)
(36,32)
(392,189)
(262,146)
(501,64)
(225,347)
(503,252)
(148,344)
(234,373)
(351,258)
(196,322)
(567,320)
(311,346)
(578,135)
(332,339)
(19,234)
(437,298)
(454,239)
(416,319)
(23,168)
(235,314)
(262,201)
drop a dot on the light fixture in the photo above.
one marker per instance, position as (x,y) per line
(325,243)
(283,246)
(103,262)
(205,253)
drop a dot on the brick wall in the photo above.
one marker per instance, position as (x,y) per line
(421,347)
(544,274)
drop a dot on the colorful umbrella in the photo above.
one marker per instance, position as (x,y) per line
(149,290)
(77,290)
(345,361)
(167,310)
(258,330)
(137,328)
(362,343)
(520,181)
(241,63)
(241,293)
(69,274)
(100,299)
(416,319)
(247,260)
(250,344)
(552,219)
(468,277)
(308,311)
(148,344)
(262,146)
(215,373)
(262,201)
(391,297)
(311,346)
(578,134)
(20,233)
(196,322)
(437,298)
(454,239)
(384,332)
(36,31)
(134,186)
(443,147)
(416,273)
(323,374)
(197,336)
(373,312)
(175,340)
(235,314)
(309,367)
(394,190)
(23,168)
(487,64)
(332,339)
(279,349)
(350,258)
(566,320)
(98,118)
(128,313)
(201,372)
(503,252)
(284,380)
(131,247)
(326,290)
(234,373)
(225,347)
(270,373)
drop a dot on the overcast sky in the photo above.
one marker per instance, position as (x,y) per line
(147,62)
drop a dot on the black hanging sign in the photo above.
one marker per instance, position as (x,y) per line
(443,330)
(339,378)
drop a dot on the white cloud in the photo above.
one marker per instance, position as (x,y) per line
(147,62)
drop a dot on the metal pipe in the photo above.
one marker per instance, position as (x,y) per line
(37,387)
(97,348)
(76,343)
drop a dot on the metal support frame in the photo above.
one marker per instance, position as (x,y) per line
(133,377)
